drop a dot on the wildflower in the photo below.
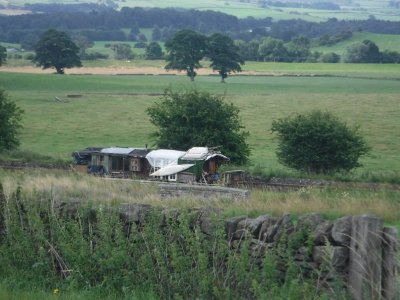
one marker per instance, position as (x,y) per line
(56,291)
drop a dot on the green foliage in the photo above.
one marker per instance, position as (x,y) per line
(122,51)
(10,120)
(224,55)
(56,49)
(271,49)
(365,52)
(90,249)
(330,57)
(318,142)
(153,51)
(197,118)
(185,50)
(3,55)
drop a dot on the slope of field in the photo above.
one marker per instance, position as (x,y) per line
(104,110)
(362,9)
(383,41)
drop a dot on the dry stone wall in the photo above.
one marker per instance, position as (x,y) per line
(357,250)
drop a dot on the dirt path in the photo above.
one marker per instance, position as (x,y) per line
(122,71)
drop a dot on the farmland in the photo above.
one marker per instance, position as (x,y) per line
(362,9)
(108,110)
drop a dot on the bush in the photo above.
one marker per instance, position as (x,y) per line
(194,118)
(330,57)
(10,120)
(318,142)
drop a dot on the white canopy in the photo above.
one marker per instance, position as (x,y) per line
(172,169)
(162,157)
(196,153)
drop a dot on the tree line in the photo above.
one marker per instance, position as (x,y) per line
(109,24)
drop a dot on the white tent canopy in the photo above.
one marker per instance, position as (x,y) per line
(172,169)
(162,157)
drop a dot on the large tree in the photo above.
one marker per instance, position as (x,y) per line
(185,50)
(55,49)
(224,55)
(10,120)
(3,54)
(194,118)
(318,142)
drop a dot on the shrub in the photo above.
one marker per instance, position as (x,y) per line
(10,120)
(318,142)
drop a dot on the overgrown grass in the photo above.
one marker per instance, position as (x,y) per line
(333,202)
(91,250)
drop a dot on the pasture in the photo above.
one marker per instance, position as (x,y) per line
(362,9)
(106,110)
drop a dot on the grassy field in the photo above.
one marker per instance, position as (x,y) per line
(384,42)
(111,110)
(356,10)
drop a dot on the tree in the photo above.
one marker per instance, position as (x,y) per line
(224,55)
(56,49)
(194,118)
(272,49)
(318,142)
(365,52)
(10,120)
(3,55)
(184,51)
(83,43)
(122,51)
(153,51)
(299,49)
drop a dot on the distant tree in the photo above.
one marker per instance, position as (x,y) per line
(224,55)
(142,38)
(299,49)
(10,120)
(122,51)
(185,50)
(156,34)
(56,49)
(365,52)
(83,43)
(373,54)
(272,49)
(3,55)
(318,142)
(29,41)
(330,57)
(153,51)
(390,57)
(356,53)
(194,118)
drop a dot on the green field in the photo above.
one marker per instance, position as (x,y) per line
(111,110)
(361,9)
(383,41)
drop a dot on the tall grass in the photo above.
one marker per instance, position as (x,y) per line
(333,202)
(91,250)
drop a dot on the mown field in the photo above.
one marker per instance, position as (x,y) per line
(106,110)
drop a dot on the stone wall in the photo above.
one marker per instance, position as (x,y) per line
(202,191)
(358,250)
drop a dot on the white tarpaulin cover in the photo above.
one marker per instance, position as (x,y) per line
(162,157)
(196,153)
(172,169)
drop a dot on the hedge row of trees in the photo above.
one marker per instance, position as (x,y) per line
(109,24)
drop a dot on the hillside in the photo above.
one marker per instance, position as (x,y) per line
(384,42)
(309,10)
